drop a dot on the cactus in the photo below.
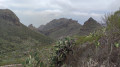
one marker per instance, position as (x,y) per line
(62,48)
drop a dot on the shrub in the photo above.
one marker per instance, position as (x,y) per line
(34,61)
(113,22)
(92,37)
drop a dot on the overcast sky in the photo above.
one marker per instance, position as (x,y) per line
(39,12)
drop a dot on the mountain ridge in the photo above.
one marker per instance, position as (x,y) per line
(72,27)
(59,28)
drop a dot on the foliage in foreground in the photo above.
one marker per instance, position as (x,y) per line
(34,61)
(92,37)
(61,50)
(59,54)
(113,22)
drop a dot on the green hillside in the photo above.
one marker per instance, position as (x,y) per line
(16,40)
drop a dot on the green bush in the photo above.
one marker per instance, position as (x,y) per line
(34,61)
(92,37)
(113,22)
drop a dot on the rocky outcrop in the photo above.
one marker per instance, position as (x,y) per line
(31,27)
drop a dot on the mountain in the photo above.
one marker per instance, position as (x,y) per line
(17,39)
(59,28)
(89,26)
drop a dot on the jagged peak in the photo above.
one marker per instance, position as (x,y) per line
(91,23)
(91,19)
(31,26)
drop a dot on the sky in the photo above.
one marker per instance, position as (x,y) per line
(39,12)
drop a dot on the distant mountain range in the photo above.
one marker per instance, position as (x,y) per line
(60,28)
(18,38)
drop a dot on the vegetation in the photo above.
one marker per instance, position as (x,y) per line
(57,56)
(113,22)
(98,49)
(61,50)
(92,37)
(106,41)
(34,61)
(16,40)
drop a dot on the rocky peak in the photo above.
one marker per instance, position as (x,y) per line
(89,26)
(31,27)
(8,15)
(91,22)
(91,19)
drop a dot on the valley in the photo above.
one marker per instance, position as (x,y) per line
(60,43)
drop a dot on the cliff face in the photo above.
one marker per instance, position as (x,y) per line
(59,28)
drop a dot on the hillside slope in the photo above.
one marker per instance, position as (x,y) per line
(17,39)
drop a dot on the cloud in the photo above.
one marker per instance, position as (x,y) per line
(40,12)
(115,5)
